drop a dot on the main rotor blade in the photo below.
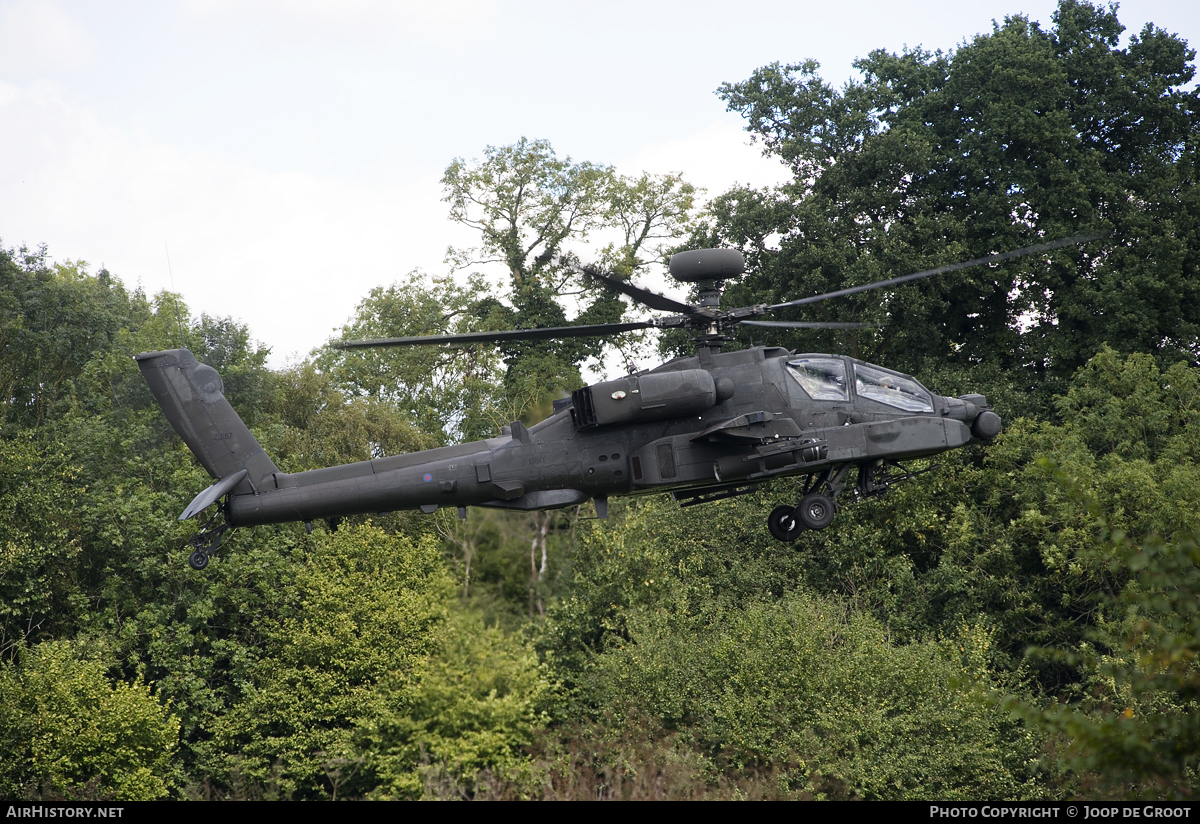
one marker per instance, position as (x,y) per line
(953,267)
(642,296)
(789,324)
(594,330)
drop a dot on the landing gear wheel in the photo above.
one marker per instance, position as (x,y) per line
(782,524)
(815,510)
(205,544)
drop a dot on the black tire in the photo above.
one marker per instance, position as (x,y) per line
(815,510)
(782,524)
(198,560)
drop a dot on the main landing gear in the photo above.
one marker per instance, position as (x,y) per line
(816,511)
(819,501)
(816,508)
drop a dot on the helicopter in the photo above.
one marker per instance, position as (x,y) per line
(703,428)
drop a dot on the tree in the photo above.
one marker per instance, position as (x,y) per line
(39,540)
(68,732)
(527,204)
(1135,731)
(53,319)
(652,212)
(988,537)
(96,602)
(1017,136)
(345,646)
(531,209)
(478,706)
(707,638)
(370,676)
(450,393)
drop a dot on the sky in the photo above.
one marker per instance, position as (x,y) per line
(274,160)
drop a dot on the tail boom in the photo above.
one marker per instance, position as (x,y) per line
(492,473)
(449,476)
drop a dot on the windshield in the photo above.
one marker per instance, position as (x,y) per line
(824,379)
(890,388)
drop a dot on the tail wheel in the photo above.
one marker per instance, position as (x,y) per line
(815,510)
(198,559)
(782,524)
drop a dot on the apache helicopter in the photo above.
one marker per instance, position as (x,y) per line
(703,428)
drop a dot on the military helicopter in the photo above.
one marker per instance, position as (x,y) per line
(703,428)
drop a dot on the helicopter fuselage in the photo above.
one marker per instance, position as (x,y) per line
(703,428)
(745,418)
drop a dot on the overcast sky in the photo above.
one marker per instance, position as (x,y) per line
(287,153)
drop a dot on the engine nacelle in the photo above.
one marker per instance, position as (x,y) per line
(650,397)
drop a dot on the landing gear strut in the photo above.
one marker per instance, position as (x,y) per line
(817,506)
(819,501)
(206,542)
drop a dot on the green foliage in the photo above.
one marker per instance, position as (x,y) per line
(652,212)
(725,654)
(799,684)
(370,683)
(39,529)
(532,210)
(68,732)
(675,653)
(496,555)
(993,531)
(1019,135)
(526,203)
(478,706)
(53,319)
(345,647)
(1136,727)
(315,424)
(691,623)
(1132,410)
(317,641)
(450,393)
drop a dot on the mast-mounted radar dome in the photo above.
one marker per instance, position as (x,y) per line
(707,264)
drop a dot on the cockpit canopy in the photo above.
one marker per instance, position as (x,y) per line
(828,378)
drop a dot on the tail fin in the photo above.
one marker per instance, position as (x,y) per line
(190,394)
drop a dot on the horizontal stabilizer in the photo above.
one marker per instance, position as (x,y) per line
(221,488)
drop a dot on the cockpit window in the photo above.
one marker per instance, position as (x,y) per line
(891,389)
(824,379)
